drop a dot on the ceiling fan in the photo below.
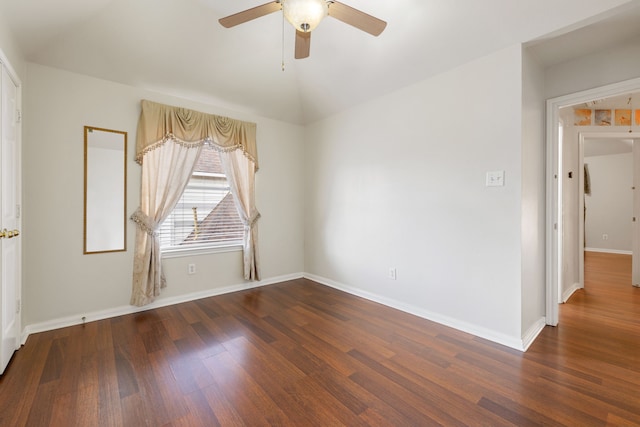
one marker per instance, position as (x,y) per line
(305,15)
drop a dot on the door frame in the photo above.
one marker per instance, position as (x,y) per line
(554,240)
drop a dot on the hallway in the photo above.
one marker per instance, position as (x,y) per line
(596,344)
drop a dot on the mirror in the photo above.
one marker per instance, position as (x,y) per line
(105,190)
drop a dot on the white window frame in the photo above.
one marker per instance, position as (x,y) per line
(204,248)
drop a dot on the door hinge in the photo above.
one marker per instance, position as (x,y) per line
(555,226)
(17,211)
(18,306)
(18,116)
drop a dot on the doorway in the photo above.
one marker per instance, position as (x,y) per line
(609,172)
(555,255)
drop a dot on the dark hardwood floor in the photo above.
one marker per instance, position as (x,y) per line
(301,354)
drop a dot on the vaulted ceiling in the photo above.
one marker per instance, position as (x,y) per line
(178,47)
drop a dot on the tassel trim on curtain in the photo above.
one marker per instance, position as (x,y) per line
(145,223)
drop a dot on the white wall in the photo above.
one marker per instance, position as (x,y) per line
(400,182)
(10,49)
(533,196)
(610,204)
(59,280)
(614,64)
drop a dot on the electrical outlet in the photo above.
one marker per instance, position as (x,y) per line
(191,269)
(605,237)
(393,274)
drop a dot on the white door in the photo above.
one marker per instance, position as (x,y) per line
(635,227)
(9,226)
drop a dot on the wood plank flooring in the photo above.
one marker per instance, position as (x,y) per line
(301,354)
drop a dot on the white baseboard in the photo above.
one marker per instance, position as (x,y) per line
(608,251)
(426,314)
(163,302)
(532,333)
(568,292)
(488,334)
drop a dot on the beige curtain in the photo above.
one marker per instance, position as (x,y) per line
(165,174)
(240,171)
(169,141)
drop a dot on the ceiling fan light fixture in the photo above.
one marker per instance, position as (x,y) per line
(305,15)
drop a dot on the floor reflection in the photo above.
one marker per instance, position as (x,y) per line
(252,299)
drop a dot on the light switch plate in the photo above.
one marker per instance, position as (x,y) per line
(495,179)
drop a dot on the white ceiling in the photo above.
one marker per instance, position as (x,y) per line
(177,46)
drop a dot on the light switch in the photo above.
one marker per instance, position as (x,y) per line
(495,179)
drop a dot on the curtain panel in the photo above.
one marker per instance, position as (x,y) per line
(169,141)
(241,178)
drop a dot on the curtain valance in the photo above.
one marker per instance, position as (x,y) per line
(158,122)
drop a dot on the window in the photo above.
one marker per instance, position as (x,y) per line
(206,215)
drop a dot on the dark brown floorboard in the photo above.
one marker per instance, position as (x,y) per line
(302,354)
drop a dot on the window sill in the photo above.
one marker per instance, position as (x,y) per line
(178,253)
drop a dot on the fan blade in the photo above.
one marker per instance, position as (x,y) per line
(250,14)
(356,18)
(303,44)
